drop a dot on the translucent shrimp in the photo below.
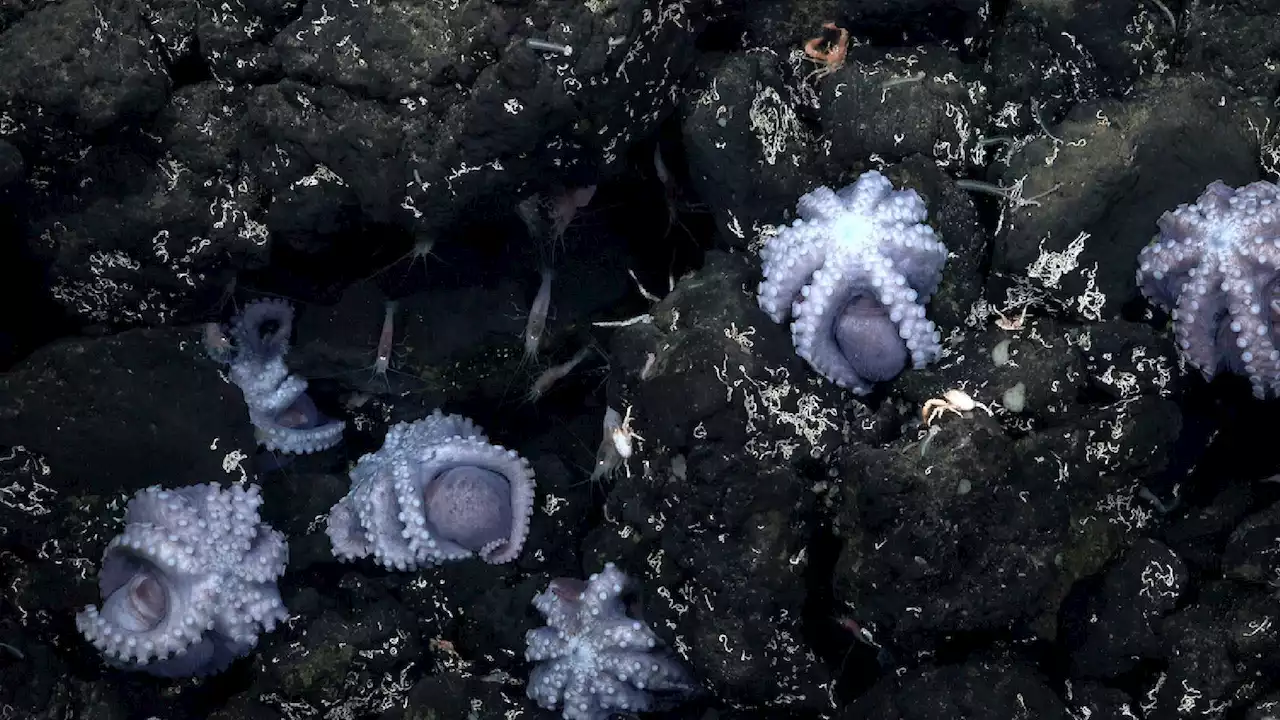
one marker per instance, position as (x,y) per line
(217,343)
(382,360)
(538,316)
(554,374)
(566,207)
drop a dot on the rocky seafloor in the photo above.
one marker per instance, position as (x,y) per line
(1103,542)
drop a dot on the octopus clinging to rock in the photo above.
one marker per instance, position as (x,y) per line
(853,274)
(190,582)
(595,661)
(436,491)
(284,417)
(1215,267)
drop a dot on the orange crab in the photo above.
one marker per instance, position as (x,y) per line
(832,59)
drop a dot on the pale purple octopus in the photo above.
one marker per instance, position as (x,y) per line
(595,660)
(436,491)
(1215,267)
(854,273)
(189,583)
(284,417)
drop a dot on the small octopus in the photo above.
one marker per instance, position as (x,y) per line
(284,417)
(853,273)
(1215,267)
(436,491)
(595,660)
(189,583)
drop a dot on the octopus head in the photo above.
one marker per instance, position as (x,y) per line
(137,599)
(868,338)
(302,414)
(142,626)
(470,506)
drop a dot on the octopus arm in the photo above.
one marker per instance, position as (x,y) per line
(266,558)
(1200,311)
(262,330)
(346,533)
(788,263)
(1164,268)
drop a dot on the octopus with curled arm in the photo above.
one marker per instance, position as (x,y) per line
(189,583)
(284,417)
(1215,267)
(853,274)
(436,491)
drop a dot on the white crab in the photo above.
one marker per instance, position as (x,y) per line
(1012,324)
(956,401)
(622,435)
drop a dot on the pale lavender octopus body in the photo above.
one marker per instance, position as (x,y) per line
(284,417)
(189,584)
(1215,266)
(853,274)
(592,660)
(436,491)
